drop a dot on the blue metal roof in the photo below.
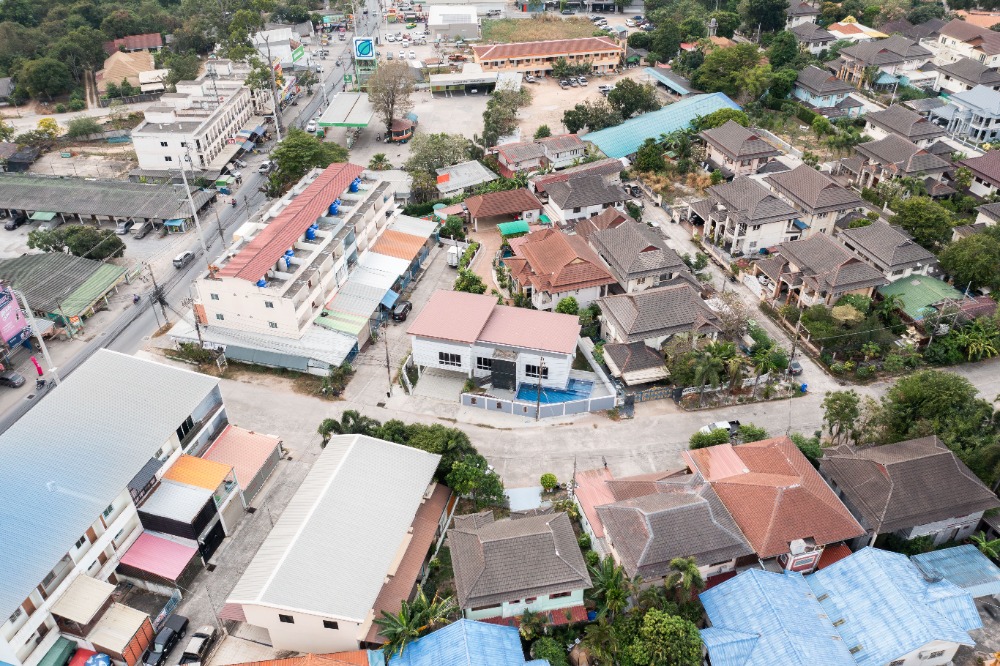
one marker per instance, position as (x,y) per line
(625,139)
(964,566)
(669,81)
(799,224)
(887,607)
(760,618)
(467,643)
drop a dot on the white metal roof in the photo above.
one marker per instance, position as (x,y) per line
(117,627)
(384,263)
(178,501)
(452,15)
(330,551)
(73,453)
(348,110)
(414,226)
(82,599)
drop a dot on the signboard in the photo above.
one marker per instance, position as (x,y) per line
(298,53)
(348,78)
(327,19)
(364,48)
(12,321)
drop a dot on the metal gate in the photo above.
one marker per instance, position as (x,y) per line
(210,542)
(504,374)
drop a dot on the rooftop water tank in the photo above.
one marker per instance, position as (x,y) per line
(335,207)
(311,231)
(355,184)
(262,282)
(288,258)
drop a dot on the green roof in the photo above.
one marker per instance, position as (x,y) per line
(515,228)
(80,281)
(918,293)
(40,215)
(96,286)
(60,653)
(344,322)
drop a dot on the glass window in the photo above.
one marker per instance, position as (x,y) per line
(109,510)
(168,159)
(330,624)
(272,324)
(287,619)
(79,542)
(214,297)
(220,317)
(445,358)
(484,363)
(532,371)
(269,304)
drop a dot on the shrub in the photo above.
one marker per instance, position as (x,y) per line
(700,440)
(77,105)
(549,481)
(547,648)
(335,383)
(592,558)
(864,371)
(584,541)
(60,108)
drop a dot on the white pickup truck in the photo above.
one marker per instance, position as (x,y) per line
(732,426)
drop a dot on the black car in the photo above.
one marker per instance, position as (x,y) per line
(401,310)
(795,368)
(11,379)
(15,222)
(173,630)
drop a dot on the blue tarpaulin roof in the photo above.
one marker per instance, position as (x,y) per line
(964,566)
(625,139)
(799,224)
(174,223)
(466,643)
(390,298)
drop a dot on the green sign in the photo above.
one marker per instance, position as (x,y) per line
(298,53)
(348,78)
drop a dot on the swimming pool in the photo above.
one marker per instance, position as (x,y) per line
(577,389)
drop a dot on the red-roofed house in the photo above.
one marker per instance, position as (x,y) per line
(472,335)
(549,265)
(152,41)
(513,158)
(504,206)
(602,54)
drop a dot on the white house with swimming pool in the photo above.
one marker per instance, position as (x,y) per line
(512,349)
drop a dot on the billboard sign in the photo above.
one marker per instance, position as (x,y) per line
(12,321)
(298,53)
(364,48)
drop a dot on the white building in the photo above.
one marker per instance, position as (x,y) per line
(960,39)
(70,501)
(744,217)
(583,196)
(201,121)
(353,542)
(451,22)
(472,335)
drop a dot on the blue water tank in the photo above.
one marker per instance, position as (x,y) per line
(355,184)
(262,282)
(288,258)
(335,207)
(805,387)
(311,231)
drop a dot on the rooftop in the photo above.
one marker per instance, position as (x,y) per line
(890,51)
(554,47)
(747,199)
(583,191)
(245,450)
(985,166)
(81,281)
(902,156)
(633,249)
(606,167)
(971,72)
(73,480)
(906,123)
(159,556)
(177,501)
(964,566)
(652,313)
(457,177)
(738,142)
(814,191)
(826,266)
(466,643)
(821,82)
(508,202)
(980,39)
(890,247)
(198,472)
(554,262)
(918,293)
(83,599)
(148,40)
(338,502)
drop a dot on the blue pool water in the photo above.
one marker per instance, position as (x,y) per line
(577,389)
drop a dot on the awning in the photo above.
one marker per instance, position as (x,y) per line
(60,653)
(799,224)
(174,223)
(885,79)
(249,145)
(544,219)
(390,298)
(259,130)
(516,228)
(44,217)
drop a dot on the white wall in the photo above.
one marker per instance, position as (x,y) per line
(426,351)
(584,297)
(742,168)
(573,214)
(918,656)
(540,604)
(942,530)
(306,633)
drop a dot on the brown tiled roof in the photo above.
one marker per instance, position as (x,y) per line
(738,142)
(889,247)
(911,483)
(424,533)
(149,40)
(561,143)
(509,560)
(777,496)
(556,262)
(508,202)
(750,202)
(555,47)
(906,123)
(521,151)
(606,219)
(971,72)
(986,166)
(634,250)
(981,39)
(354,658)
(659,311)
(827,266)
(633,357)
(903,156)
(605,167)
(893,50)
(583,191)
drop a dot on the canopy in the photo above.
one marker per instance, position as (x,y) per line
(174,223)
(390,298)
(44,217)
(60,653)
(81,656)
(99,659)
(348,110)
(515,228)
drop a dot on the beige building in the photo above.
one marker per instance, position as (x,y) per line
(603,54)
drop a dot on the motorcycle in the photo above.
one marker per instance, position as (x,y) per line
(233,202)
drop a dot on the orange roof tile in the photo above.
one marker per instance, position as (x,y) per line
(832,555)
(509,202)
(397,244)
(246,451)
(553,47)
(198,472)
(591,492)
(557,262)
(354,658)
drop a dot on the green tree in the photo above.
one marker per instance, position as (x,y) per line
(736,71)
(630,98)
(768,361)
(749,432)
(78,240)
(379,162)
(430,152)
(413,620)
(82,126)
(45,77)
(784,49)
(927,221)
(708,369)
(649,157)
(973,260)
(531,625)
(592,115)
(684,578)
(6,131)
(701,440)
(721,117)
(500,116)
(450,443)
(389,91)
(666,640)
(568,306)
(547,648)
(543,132)
(728,23)
(810,447)
(473,477)
(299,152)
(602,642)
(610,588)
(768,15)
(351,422)
(988,547)
(548,481)
(469,282)
(182,67)
(841,411)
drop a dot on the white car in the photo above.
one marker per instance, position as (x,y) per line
(311,126)
(390,38)
(605,89)
(582,80)
(402,55)
(630,23)
(413,55)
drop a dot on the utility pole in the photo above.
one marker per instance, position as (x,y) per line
(194,209)
(795,341)
(34,329)
(388,366)
(194,315)
(538,389)
(274,89)
(158,297)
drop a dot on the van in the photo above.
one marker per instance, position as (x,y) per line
(453,256)
(141,229)
(493,12)
(183,259)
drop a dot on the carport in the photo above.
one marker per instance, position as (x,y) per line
(123,634)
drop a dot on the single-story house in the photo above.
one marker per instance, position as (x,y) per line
(494,207)
(635,362)
(654,315)
(149,40)
(965,566)
(919,294)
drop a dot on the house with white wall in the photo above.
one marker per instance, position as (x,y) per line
(70,502)
(897,58)
(819,200)
(736,150)
(901,121)
(354,541)
(522,563)
(825,93)
(562,150)
(471,335)
(965,74)
(744,217)
(800,12)
(959,39)
(889,250)
(583,196)
(985,174)
(973,115)
(812,38)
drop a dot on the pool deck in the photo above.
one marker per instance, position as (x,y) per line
(598,390)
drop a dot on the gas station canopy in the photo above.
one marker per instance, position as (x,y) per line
(348,110)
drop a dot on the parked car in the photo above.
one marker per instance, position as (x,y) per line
(401,310)
(564,84)
(795,368)
(15,222)
(493,12)
(389,56)
(604,88)
(124,226)
(49,225)
(199,645)
(11,379)
(141,229)
(402,55)
(265,167)
(173,630)
(630,23)
(567,12)
(240,163)
(390,38)
(413,55)
(582,80)
(574,83)
(732,426)
(183,259)
(637,17)
(649,27)
(311,126)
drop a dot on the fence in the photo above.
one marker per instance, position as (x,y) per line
(781,143)
(168,608)
(652,393)
(544,410)
(402,374)
(105,102)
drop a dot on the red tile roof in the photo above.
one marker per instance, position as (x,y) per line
(591,492)
(149,40)
(259,255)
(554,47)
(777,496)
(832,554)
(555,262)
(509,202)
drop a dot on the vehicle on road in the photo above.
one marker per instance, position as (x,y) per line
(413,55)
(124,226)
(630,23)
(567,12)
(311,126)
(582,80)
(15,222)
(453,257)
(199,645)
(390,37)
(401,310)
(265,167)
(795,368)
(183,259)
(11,379)
(240,163)
(173,630)
(141,229)
(493,12)
(405,43)
(732,426)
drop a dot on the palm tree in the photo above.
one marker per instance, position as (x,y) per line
(768,361)
(379,162)
(988,547)
(413,620)
(735,365)
(609,588)
(887,307)
(685,578)
(600,639)
(532,625)
(707,370)
(351,422)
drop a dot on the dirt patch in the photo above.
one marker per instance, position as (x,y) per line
(505,31)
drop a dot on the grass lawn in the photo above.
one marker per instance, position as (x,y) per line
(503,31)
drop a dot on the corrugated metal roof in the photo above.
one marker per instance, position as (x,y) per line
(414,226)
(70,456)
(399,244)
(159,556)
(329,552)
(625,139)
(178,501)
(384,263)
(82,599)
(246,451)
(963,566)
(117,627)
(466,643)
(81,281)
(198,472)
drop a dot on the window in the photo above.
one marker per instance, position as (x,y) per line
(839,622)
(16,614)
(184,144)
(530,600)
(269,304)
(287,619)
(856,649)
(109,510)
(214,297)
(79,542)
(559,595)
(577,210)
(168,159)
(484,363)
(932,655)
(220,317)
(532,371)
(163,144)
(330,624)
(272,324)
(898,662)
(445,358)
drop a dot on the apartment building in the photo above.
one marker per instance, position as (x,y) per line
(75,472)
(603,54)
(200,123)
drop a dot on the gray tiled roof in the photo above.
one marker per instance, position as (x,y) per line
(991,211)
(906,484)
(888,247)
(826,265)
(906,123)
(801,8)
(683,517)
(750,201)
(815,192)
(737,142)
(633,250)
(510,560)
(584,191)
(633,357)
(521,152)
(985,166)
(971,72)
(983,39)
(657,312)
(893,50)
(561,143)
(810,32)
(904,156)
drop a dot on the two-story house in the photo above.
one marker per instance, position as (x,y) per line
(799,13)
(736,150)
(959,39)
(812,38)
(825,93)
(563,150)
(985,174)
(897,58)
(819,200)
(637,255)
(973,115)
(888,249)
(912,489)
(744,217)
(901,121)
(522,563)
(583,196)
(892,158)
(70,502)
(519,157)
(965,74)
